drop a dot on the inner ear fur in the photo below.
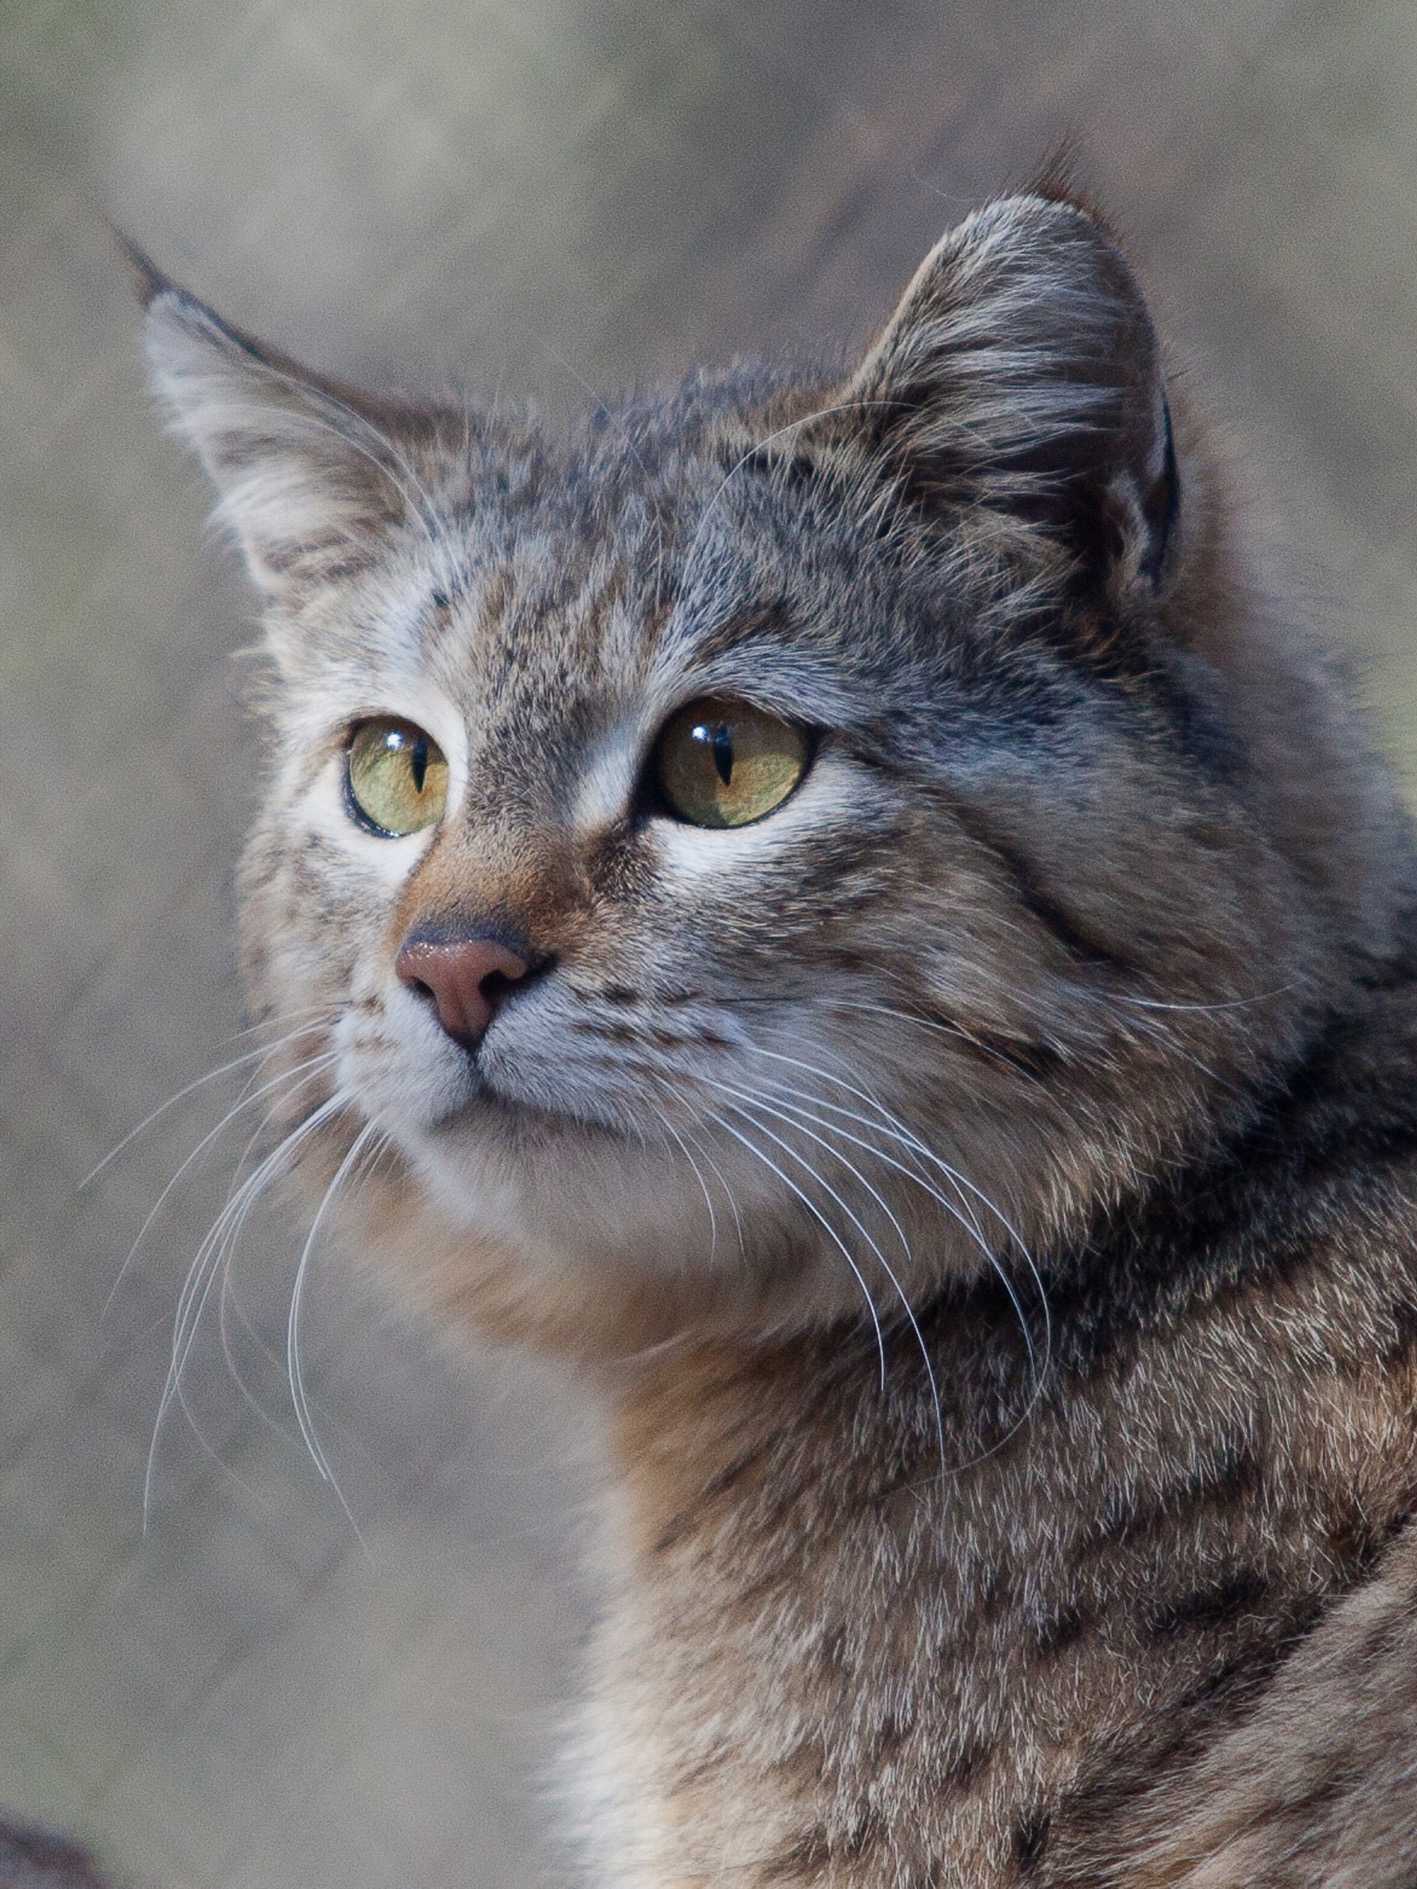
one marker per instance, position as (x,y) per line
(1021,370)
(308,470)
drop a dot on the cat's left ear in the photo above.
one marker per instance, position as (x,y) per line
(309,472)
(1021,371)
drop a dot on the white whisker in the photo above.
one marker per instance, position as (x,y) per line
(323,1060)
(229,1247)
(683,1147)
(238,1062)
(216,1244)
(754,1111)
(896,1130)
(727,1190)
(198,1286)
(960,1213)
(382,440)
(900,1131)
(822,1221)
(294,1368)
(792,426)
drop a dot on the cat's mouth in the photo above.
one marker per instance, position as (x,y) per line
(517,1122)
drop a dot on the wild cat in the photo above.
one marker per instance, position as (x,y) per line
(855,919)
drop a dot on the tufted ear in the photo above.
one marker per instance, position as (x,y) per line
(1021,370)
(308,472)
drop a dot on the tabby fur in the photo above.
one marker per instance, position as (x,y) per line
(1068,1013)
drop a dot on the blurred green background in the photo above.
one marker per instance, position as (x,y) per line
(540,198)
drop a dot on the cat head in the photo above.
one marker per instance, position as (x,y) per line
(806,836)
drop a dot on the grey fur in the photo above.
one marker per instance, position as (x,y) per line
(1064,1013)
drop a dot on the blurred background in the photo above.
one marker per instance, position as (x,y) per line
(269,1689)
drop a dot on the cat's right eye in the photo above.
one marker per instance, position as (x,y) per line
(396,778)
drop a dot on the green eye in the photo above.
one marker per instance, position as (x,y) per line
(396,777)
(720,763)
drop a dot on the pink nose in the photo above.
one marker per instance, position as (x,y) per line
(465,977)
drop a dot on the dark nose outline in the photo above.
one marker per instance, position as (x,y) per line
(464,974)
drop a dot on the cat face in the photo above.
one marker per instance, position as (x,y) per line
(794,833)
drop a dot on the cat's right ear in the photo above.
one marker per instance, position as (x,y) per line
(308,473)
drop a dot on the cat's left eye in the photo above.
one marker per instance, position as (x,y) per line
(395,776)
(721,763)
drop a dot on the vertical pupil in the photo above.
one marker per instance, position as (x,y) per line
(418,763)
(723,753)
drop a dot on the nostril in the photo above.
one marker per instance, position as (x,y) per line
(495,986)
(464,975)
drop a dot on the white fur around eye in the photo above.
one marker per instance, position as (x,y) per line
(610,779)
(320,805)
(826,797)
(324,810)
(418,700)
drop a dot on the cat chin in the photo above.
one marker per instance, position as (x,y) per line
(572,1205)
(561,1192)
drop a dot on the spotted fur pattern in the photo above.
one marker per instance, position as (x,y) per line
(982,1189)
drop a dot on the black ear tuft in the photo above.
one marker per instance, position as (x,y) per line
(148,280)
(1060,179)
